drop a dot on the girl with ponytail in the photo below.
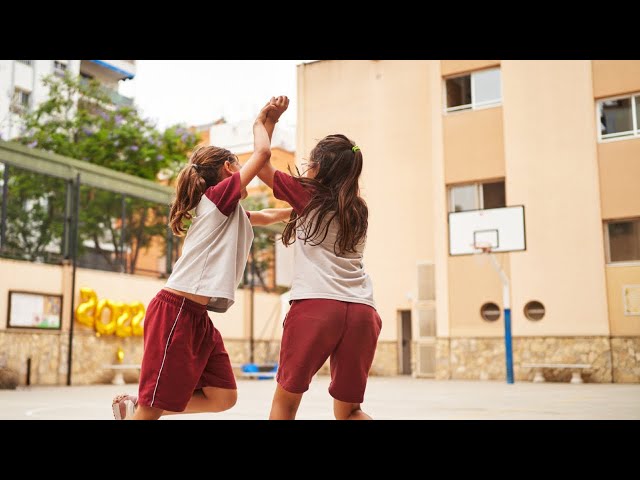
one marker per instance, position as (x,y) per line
(185,367)
(332,310)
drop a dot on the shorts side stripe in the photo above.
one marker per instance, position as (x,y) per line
(166,347)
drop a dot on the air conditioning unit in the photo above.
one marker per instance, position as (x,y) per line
(426,282)
(426,359)
(426,320)
(424,314)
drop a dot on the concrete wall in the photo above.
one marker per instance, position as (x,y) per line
(473,145)
(615,77)
(455,67)
(619,167)
(617,277)
(552,169)
(384,107)
(48,350)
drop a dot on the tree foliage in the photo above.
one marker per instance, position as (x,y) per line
(80,120)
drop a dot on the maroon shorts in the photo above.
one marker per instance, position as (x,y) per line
(316,329)
(183,352)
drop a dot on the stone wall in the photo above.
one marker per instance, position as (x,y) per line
(456,358)
(443,363)
(591,350)
(484,358)
(385,361)
(91,353)
(45,350)
(264,351)
(626,359)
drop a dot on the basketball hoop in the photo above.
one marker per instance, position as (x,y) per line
(487,231)
(478,232)
(482,247)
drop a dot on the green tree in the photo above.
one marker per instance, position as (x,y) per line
(79,120)
(35,216)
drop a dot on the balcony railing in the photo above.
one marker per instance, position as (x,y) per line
(117,99)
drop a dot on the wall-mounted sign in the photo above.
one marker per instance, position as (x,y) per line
(34,310)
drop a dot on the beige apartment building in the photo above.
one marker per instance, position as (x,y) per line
(560,138)
(439,139)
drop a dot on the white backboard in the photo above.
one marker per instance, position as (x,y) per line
(502,228)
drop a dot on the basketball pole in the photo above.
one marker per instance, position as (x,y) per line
(506,303)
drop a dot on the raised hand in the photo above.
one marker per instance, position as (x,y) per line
(281,103)
(269,107)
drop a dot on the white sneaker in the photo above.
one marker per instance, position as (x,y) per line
(124,406)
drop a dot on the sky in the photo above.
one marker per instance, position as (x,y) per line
(195,92)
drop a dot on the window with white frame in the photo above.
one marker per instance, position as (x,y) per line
(619,117)
(474,90)
(623,240)
(20,100)
(59,68)
(477,196)
(26,62)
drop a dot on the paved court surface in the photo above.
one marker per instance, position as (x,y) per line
(387,398)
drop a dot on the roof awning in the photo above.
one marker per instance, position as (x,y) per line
(110,66)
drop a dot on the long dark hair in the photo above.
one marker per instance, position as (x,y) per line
(202,171)
(335,195)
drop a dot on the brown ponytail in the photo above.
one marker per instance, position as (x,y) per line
(202,172)
(336,196)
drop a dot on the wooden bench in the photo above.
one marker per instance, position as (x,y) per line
(118,378)
(576,370)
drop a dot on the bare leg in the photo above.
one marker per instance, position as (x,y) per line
(146,413)
(348,411)
(285,404)
(209,399)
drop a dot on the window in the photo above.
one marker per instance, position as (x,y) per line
(20,101)
(623,240)
(534,310)
(59,68)
(490,312)
(493,195)
(26,62)
(619,117)
(477,196)
(476,90)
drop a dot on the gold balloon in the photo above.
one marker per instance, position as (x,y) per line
(109,327)
(123,319)
(123,322)
(137,316)
(86,310)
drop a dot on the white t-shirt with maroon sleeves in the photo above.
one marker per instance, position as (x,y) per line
(215,250)
(318,272)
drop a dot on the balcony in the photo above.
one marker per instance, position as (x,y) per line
(117,99)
